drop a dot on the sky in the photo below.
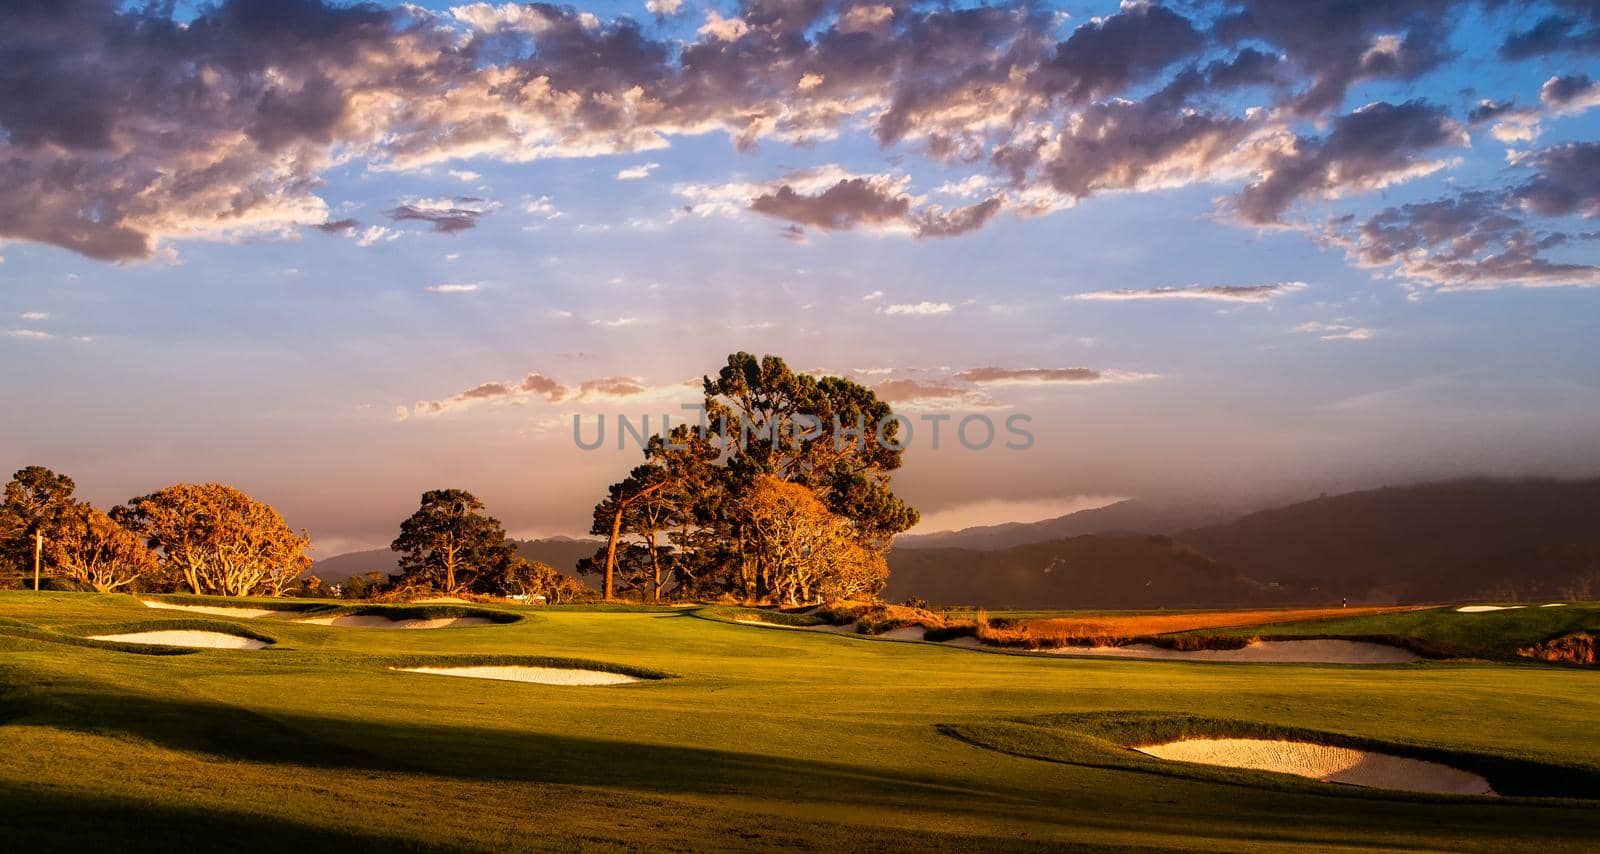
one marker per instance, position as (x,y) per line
(1239,251)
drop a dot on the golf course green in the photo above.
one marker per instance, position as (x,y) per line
(735,736)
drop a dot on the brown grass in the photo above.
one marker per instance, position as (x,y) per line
(1575,649)
(875,618)
(1047,632)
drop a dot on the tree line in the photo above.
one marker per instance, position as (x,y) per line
(765,499)
(213,539)
(204,538)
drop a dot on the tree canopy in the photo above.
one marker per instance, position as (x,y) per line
(816,453)
(448,544)
(90,548)
(36,498)
(218,539)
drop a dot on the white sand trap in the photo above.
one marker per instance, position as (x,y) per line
(1321,762)
(217,610)
(185,637)
(1555,605)
(374,621)
(522,673)
(846,629)
(966,641)
(1479,609)
(905,633)
(757,621)
(1283,652)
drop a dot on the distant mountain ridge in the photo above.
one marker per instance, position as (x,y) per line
(1092,571)
(1131,516)
(1446,541)
(563,553)
(1423,542)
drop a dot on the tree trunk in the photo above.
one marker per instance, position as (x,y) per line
(611,551)
(655,567)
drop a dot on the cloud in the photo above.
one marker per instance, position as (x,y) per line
(375,234)
(634,173)
(1215,293)
(1107,55)
(611,387)
(1330,45)
(829,199)
(454,288)
(1336,331)
(724,29)
(1573,28)
(1047,376)
(617,322)
(1371,148)
(465,175)
(537,386)
(35,315)
(1040,114)
(1481,239)
(1571,94)
(30,334)
(919,308)
(972,388)
(850,203)
(905,391)
(447,216)
(337,226)
(1567,181)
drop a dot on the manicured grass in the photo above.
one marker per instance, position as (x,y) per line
(762,739)
(1446,631)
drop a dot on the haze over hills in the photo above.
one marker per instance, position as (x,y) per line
(563,553)
(1456,540)
(1102,571)
(1132,516)
(1423,542)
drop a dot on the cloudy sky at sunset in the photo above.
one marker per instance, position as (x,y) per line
(1246,250)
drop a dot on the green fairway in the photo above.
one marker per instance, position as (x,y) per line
(757,738)
(1446,631)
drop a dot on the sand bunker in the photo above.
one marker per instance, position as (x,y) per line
(1290,651)
(185,637)
(1479,609)
(965,641)
(374,621)
(753,621)
(846,629)
(905,633)
(1321,762)
(217,610)
(1555,605)
(523,673)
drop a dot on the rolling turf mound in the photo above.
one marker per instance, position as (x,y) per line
(1114,740)
(769,739)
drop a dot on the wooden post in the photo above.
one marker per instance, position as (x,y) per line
(38,550)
